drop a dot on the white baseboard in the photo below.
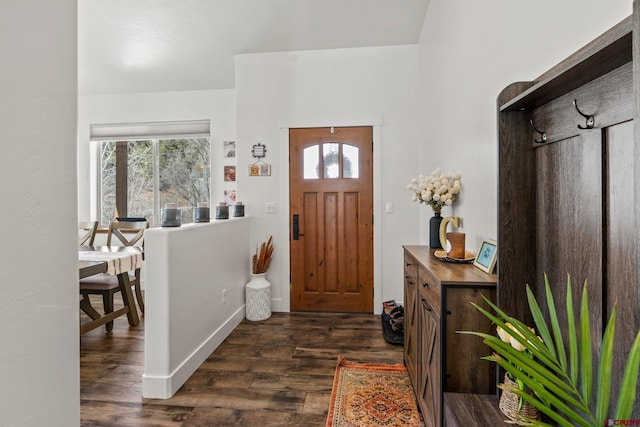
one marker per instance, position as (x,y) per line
(163,387)
(278,305)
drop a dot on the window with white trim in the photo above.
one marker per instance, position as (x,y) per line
(137,176)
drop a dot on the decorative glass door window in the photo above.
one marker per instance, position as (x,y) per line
(338,161)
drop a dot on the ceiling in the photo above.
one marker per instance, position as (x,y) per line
(176,45)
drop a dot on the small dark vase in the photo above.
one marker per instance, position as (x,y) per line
(434,231)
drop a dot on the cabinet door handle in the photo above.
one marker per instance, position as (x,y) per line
(408,264)
(426,307)
(425,285)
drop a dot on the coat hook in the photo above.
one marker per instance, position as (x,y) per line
(590,121)
(543,134)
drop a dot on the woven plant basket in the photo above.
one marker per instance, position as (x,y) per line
(509,404)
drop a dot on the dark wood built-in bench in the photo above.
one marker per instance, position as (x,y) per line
(569,192)
(468,410)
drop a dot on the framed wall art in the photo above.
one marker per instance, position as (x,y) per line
(260,168)
(230,173)
(230,197)
(258,151)
(229,149)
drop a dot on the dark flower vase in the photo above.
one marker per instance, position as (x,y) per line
(434,231)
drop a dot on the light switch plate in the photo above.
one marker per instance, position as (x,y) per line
(271,207)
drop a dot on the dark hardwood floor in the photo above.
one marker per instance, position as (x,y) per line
(278,372)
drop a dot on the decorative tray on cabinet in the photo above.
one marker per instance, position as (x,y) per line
(468,257)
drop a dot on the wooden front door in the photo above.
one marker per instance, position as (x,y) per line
(331,225)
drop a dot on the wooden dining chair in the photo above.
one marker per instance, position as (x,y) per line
(116,227)
(87,232)
(127,234)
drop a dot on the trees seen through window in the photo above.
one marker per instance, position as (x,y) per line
(139,177)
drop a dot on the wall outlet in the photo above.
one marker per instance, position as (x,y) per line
(223,296)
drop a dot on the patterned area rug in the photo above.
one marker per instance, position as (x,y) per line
(370,394)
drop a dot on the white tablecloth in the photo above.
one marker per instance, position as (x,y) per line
(117,262)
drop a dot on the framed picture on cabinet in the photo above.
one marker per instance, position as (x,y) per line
(487,255)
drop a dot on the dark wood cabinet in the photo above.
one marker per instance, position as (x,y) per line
(410,318)
(438,298)
(428,380)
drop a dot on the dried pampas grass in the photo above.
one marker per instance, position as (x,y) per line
(262,257)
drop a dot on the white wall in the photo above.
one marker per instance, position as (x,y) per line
(368,86)
(216,105)
(440,113)
(39,362)
(186,316)
(469,52)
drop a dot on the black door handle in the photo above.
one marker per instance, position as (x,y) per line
(296,227)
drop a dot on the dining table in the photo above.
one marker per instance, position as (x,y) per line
(114,260)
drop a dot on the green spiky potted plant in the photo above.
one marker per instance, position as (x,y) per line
(560,386)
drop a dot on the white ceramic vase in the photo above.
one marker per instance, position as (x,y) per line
(258,298)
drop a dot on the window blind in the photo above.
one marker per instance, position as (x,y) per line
(151,130)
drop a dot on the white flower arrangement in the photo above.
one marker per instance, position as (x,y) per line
(435,190)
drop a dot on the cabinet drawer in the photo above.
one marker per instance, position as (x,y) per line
(410,267)
(429,288)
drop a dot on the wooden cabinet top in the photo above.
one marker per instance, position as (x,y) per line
(447,272)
